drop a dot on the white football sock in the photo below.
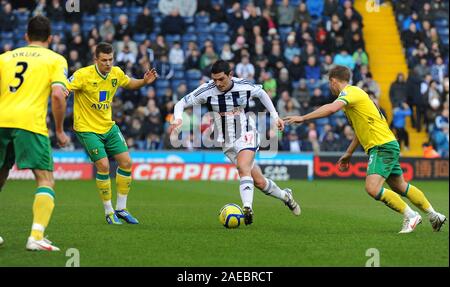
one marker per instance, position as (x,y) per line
(409,212)
(273,190)
(246,189)
(108,207)
(121,201)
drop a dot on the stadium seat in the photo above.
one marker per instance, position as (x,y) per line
(178,75)
(219,27)
(178,67)
(189,38)
(201,20)
(136,10)
(176,83)
(162,84)
(7,35)
(172,38)
(190,29)
(139,38)
(192,85)
(193,75)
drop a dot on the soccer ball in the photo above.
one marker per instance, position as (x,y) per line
(1,240)
(231,216)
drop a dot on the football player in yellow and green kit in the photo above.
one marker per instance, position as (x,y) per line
(94,88)
(373,133)
(28,75)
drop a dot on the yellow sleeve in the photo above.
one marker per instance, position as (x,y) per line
(59,75)
(76,81)
(122,78)
(348,97)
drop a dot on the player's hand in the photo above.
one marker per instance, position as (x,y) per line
(344,162)
(175,126)
(62,139)
(150,76)
(280,124)
(294,120)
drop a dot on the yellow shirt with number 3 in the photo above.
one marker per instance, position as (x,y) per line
(26,77)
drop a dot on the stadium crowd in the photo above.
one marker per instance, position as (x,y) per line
(424,93)
(286,46)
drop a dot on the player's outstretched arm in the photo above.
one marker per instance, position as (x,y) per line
(177,121)
(149,77)
(59,94)
(267,102)
(322,112)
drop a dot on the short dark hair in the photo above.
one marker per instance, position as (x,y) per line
(103,47)
(220,66)
(39,28)
(340,73)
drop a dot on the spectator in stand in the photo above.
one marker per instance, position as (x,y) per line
(373,85)
(55,11)
(185,8)
(284,82)
(285,14)
(176,54)
(296,69)
(125,56)
(127,41)
(312,71)
(440,139)
(122,28)
(107,28)
(318,99)
(344,59)
(217,13)
(412,19)
(208,57)
(360,58)
(398,92)
(439,70)
(292,142)
(144,22)
(245,69)
(302,93)
(173,24)
(330,143)
(330,7)
(442,119)
(287,106)
(411,37)
(291,49)
(160,48)
(193,60)
(401,112)
(8,20)
(164,68)
(301,13)
(269,84)
(226,54)
(402,9)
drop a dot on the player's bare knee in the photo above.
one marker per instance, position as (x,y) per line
(102,166)
(372,191)
(243,171)
(126,164)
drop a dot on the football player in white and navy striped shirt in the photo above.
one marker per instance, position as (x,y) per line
(228,98)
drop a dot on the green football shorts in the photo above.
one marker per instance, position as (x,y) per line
(27,149)
(99,146)
(384,160)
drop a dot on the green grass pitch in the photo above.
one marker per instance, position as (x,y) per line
(180,227)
